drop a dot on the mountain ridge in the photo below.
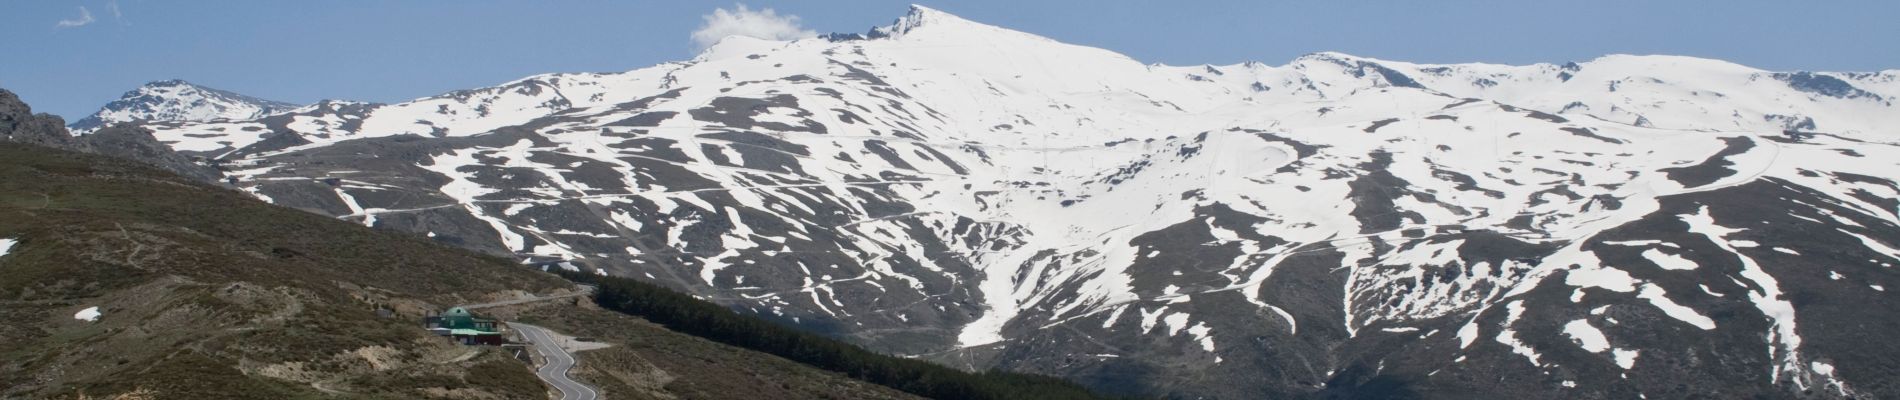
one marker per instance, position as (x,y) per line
(990,198)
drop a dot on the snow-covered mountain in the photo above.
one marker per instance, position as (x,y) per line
(177,100)
(1623,227)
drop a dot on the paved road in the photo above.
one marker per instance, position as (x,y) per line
(558,362)
(519,301)
(585,290)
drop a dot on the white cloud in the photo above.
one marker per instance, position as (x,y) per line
(741,21)
(85,17)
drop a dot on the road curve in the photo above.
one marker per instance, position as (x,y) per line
(554,372)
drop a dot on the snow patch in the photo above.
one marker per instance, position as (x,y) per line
(1626,358)
(1607,278)
(90,314)
(1200,333)
(1640,243)
(1176,322)
(1509,336)
(1469,332)
(1875,245)
(1656,296)
(1821,368)
(1669,261)
(1784,340)
(1587,336)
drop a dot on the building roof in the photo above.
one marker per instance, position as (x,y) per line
(471,332)
(460,318)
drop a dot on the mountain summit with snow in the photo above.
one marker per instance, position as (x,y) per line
(1624,227)
(177,100)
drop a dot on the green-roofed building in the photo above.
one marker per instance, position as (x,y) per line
(463,326)
(460,318)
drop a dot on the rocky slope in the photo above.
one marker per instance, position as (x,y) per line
(19,124)
(1625,226)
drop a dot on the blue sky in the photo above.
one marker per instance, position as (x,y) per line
(391,51)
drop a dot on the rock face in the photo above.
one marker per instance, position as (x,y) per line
(18,123)
(1338,226)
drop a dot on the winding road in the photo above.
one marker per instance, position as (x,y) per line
(585,290)
(558,363)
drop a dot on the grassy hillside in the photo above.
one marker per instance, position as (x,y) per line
(205,293)
(209,294)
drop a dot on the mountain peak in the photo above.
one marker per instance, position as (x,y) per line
(1333,57)
(169,83)
(919,17)
(178,100)
(918,11)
